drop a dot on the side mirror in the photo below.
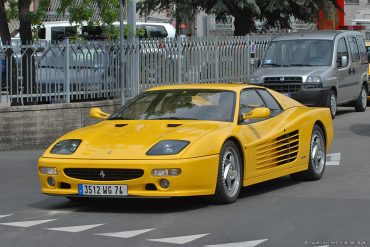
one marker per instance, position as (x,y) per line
(96,112)
(260,112)
(344,61)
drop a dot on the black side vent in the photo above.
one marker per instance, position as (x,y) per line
(173,125)
(120,125)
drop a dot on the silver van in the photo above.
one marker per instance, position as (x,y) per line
(318,68)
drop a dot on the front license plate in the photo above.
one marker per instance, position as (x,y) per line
(102,190)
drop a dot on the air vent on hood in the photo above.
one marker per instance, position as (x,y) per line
(120,125)
(173,125)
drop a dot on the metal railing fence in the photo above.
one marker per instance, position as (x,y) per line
(85,71)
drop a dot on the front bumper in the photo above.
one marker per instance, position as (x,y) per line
(312,96)
(198,177)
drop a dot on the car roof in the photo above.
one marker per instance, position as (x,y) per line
(222,86)
(322,34)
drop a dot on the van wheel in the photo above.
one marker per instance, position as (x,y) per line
(331,103)
(361,102)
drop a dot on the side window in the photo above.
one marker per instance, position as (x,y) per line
(156,31)
(250,99)
(270,102)
(354,49)
(341,51)
(362,48)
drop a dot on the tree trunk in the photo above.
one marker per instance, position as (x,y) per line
(243,24)
(28,60)
(11,74)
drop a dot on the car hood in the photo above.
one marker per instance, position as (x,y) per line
(291,71)
(132,139)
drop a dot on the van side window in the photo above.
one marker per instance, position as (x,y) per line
(154,31)
(354,49)
(60,33)
(341,51)
(361,46)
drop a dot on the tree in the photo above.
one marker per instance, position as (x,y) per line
(271,13)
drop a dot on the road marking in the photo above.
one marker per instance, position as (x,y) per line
(5,215)
(323,246)
(333,159)
(180,239)
(240,244)
(125,234)
(27,223)
(74,228)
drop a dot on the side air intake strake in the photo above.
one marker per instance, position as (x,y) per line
(279,151)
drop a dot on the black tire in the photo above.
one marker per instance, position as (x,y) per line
(314,171)
(361,102)
(331,103)
(227,190)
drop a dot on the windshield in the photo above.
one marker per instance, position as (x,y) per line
(194,104)
(298,53)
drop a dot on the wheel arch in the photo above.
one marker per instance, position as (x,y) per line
(240,148)
(365,83)
(335,90)
(321,125)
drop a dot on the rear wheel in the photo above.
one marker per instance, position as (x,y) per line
(316,165)
(331,102)
(361,102)
(230,170)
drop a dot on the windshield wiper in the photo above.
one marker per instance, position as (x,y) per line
(275,65)
(299,64)
(173,118)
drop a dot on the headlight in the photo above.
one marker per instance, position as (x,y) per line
(66,147)
(314,79)
(255,80)
(313,82)
(168,147)
(48,170)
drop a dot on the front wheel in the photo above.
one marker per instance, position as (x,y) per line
(229,179)
(331,103)
(361,102)
(317,161)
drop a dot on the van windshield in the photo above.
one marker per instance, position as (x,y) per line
(300,52)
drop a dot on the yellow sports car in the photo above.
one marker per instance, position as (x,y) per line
(190,140)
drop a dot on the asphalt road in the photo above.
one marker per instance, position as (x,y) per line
(334,211)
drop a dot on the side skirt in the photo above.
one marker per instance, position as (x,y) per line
(266,177)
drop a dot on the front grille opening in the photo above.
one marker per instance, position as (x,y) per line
(64,185)
(150,187)
(103,174)
(283,84)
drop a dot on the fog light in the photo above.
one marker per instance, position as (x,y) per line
(48,170)
(51,181)
(166,172)
(164,183)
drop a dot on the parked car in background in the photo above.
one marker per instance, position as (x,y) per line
(59,30)
(319,68)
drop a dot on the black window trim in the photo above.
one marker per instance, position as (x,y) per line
(240,122)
